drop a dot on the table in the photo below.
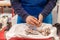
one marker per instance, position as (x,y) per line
(2,36)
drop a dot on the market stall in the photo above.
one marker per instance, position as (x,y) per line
(17,30)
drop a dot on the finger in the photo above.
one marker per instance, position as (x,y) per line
(40,24)
(40,21)
(40,18)
(35,22)
(35,18)
(30,22)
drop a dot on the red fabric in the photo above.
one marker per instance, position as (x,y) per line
(2,37)
(16,38)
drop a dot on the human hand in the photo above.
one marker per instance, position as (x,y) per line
(32,20)
(40,19)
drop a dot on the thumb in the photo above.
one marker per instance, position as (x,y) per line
(40,18)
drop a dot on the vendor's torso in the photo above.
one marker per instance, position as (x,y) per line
(33,7)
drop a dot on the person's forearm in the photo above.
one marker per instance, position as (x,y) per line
(18,9)
(48,8)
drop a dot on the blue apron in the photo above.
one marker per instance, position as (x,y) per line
(34,8)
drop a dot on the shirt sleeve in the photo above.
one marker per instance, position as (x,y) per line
(48,8)
(18,9)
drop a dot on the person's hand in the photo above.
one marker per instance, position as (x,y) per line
(32,20)
(40,19)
